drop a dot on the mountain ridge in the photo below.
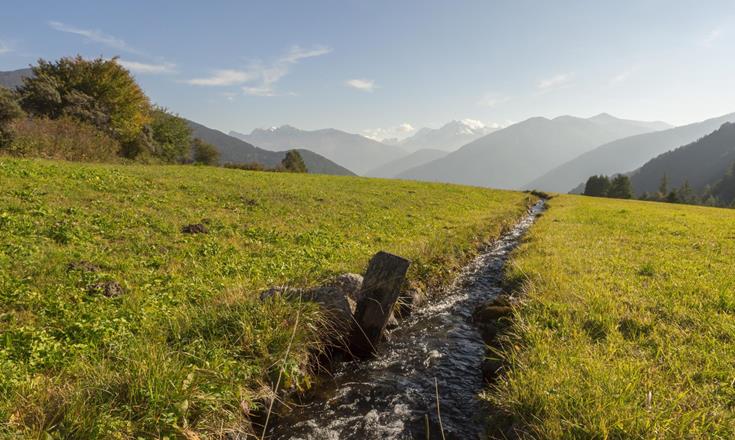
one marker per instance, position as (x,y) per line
(352,151)
(234,150)
(700,163)
(514,155)
(623,155)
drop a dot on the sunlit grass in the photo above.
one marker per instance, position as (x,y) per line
(188,348)
(629,326)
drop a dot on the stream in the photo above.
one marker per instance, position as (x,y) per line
(393,396)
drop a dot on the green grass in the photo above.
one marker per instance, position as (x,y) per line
(188,348)
(629,326)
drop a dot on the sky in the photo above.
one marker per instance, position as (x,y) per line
(386,68)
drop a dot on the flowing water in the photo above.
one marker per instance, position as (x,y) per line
(394,395)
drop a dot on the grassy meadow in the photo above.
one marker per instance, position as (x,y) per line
(628,330)
(186,349)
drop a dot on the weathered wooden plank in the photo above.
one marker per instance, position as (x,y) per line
(381,286)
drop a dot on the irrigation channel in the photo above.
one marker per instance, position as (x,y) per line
(394,395)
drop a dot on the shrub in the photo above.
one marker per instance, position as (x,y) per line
(171,136)
(64,138)
(203,152)
(9,111)
(620,188)
(597,186)
(247,166)
(293,162)
(100,92)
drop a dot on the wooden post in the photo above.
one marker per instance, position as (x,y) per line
(381,285)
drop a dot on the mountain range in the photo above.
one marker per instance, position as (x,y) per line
(623,155)
(701,163)
(355,152)
(515,155)
(14,78)
(448,137)
(233,150)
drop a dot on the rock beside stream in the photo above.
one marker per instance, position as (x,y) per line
(493,317)
(338,297)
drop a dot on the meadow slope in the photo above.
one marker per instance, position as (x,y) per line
(186,349)
(628,330)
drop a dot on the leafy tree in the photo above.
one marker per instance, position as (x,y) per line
(204,152)
(9,111)
(171,136)
(293,162)
(620,187)
(99,91)
(597,186)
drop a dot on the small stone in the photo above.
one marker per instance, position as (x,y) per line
(196,228)
(489,313)
(410,299)
(109,289)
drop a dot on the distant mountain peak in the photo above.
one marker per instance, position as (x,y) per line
(602,116)
(449,136)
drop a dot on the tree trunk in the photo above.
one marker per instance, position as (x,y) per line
(381,285)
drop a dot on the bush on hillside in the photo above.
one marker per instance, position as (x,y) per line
(620,188)
(64,139)
(203,152)
(247,166)
(597,186)
(293,162)
(171,136)
(9,111)
(99,92)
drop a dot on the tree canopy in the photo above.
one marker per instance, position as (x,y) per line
(204,152)
(294,162)
(98,91)
(597,186)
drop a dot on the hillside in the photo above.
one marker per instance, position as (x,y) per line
(448,137)
(121,326)
(700,163)
(233,150)
(623,155)
(417,158)
(513,156)
(352,151)
(627,326)
(14,78)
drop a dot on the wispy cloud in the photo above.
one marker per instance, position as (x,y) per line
(148,68)
(398,132)
(712,36)
(5,47)
(365,85)
(96,36)
(554,82)
(259,79)
(224,77)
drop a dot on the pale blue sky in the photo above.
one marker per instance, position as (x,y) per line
(359,65)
